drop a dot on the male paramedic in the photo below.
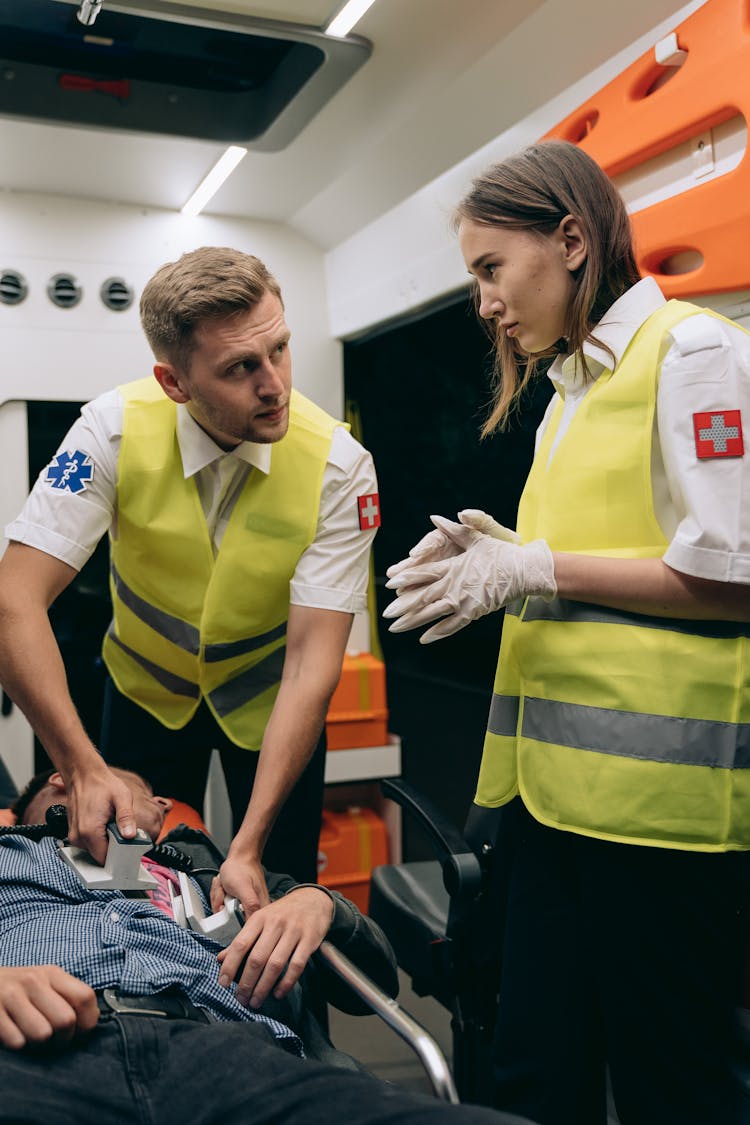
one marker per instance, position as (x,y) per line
(111,1012)
(240,519)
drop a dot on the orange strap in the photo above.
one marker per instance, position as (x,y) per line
(363,839)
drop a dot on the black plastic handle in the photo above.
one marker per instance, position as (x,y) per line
(460,865)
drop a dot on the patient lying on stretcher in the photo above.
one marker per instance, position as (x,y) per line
(106,1003)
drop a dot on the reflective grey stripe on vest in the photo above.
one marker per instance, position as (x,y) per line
(514,608)
(174,629)
(182,633)
(241,689)
(503,715)
(627,734)
(561,609)
(176,684)
(223,651)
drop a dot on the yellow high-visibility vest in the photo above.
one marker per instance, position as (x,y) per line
(187,624)
(617,725)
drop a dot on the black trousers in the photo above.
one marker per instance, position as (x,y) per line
(147,1071)
(176,763)
(628,957)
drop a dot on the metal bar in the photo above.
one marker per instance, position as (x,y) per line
(420,1041)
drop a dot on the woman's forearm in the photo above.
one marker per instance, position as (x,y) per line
(649,586)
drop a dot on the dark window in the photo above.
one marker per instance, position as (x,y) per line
(422,390)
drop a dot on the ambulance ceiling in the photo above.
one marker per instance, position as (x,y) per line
(195,72)
(138,106)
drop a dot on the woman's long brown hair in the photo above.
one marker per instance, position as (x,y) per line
(534,190)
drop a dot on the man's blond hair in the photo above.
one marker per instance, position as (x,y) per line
(205,284)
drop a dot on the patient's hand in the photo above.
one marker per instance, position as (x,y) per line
(276,943)
(42,1003)
(241,879)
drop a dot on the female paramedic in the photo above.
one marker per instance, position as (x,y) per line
(619,730)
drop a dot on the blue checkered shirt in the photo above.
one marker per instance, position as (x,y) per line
(47,916)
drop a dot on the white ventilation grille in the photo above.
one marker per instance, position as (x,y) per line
(13,287)
(64,291)
(116,294)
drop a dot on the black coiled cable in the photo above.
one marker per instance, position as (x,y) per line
(57,826)
(170,856)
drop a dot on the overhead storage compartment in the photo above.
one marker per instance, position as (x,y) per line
(185,72)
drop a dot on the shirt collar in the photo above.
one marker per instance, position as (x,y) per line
(616,329)
(198,450)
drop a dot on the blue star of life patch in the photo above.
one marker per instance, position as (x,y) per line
(70,470)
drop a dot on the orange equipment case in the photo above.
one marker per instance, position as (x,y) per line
(352,842)
(358,715)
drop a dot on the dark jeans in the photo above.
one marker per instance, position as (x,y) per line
(625,956)
(176,763)
(173,1072)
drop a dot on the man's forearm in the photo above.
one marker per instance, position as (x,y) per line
(316,640)
(290,738)
(33,675)
(31,667)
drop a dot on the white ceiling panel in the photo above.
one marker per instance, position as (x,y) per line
(443,79)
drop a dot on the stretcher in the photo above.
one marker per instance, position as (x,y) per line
(123,870)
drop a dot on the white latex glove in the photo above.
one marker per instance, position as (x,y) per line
(480,521)
(446,540)
(488,575)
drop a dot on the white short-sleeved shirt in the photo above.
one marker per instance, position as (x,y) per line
(702,505)
(68,522)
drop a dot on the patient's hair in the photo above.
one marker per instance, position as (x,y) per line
(205,284)
(39,780)
(24,799)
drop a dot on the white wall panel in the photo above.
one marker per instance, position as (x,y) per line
(73,354)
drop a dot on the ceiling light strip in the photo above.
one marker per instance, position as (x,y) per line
(208,187)
(344,21)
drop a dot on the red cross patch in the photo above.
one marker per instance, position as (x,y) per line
(718,433)
(369,511)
